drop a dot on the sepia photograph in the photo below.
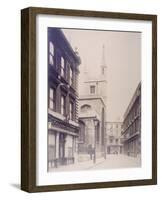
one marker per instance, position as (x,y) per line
(89,99)
(94,99)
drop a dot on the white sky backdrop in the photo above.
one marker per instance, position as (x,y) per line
(123,60)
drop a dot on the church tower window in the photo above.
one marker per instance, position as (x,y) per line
(92,89)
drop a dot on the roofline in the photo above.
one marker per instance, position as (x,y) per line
(69,45)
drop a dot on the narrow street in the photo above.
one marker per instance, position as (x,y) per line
(117,161)
(111,162)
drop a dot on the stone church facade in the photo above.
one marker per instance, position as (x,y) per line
(92,107)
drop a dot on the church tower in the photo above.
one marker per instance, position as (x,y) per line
(96,86)
(93,100)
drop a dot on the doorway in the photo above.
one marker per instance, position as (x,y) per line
(62,148)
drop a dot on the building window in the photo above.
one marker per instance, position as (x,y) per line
(70,76)
(86,108)
(51,53)
(92,89)
(52,99)
(111,139)
(71,111)
(133,112)
(62,63)
(137,109)
(134,126)
(137,128)
(63,105)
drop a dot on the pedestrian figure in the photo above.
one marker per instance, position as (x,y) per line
(90,151)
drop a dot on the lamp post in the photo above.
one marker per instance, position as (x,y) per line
(95,120)
(105,144)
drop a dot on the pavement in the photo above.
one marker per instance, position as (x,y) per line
(111,162)
(118,161)
(78,166)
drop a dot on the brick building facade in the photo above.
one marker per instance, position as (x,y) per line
(63,127)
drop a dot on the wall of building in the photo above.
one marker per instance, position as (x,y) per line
(113,135)
(100,84)
(132,126)
(87,116)
(62,98)
(95,103)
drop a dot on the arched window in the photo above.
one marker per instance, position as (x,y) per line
(85,108)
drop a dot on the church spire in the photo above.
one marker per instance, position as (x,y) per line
(103,62)
(103,55)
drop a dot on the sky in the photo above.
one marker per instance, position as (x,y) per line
(122,58)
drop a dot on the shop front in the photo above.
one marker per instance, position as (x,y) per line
(61,146)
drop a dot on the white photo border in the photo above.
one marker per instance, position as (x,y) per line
(55,178)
